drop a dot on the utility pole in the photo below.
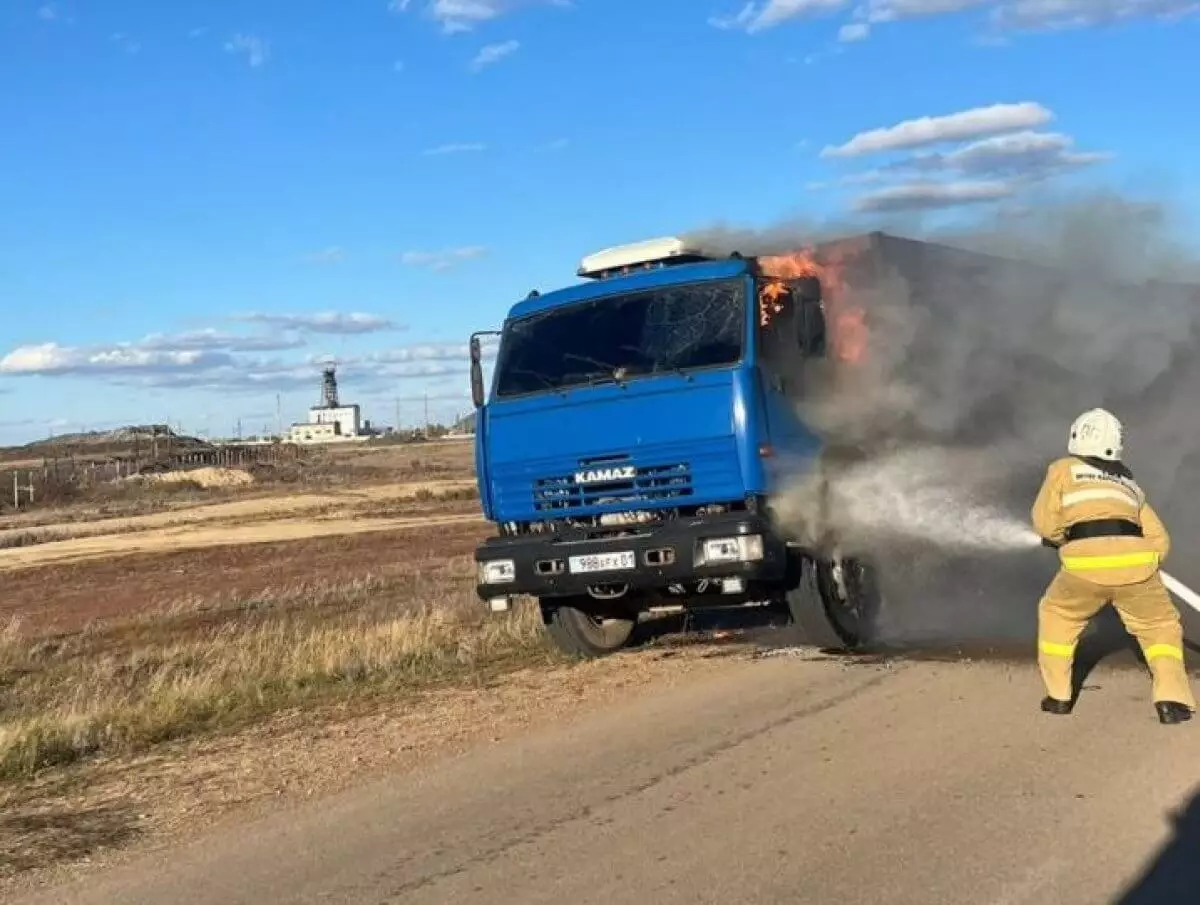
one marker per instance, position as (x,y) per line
(427,414)
(279,413)
(397,427)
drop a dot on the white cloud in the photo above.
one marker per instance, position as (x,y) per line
(53,359)
(1027,155)
(157,352)
(755,17)
(1055,14)
(932,195)
(1032,15)
(431,352)
(996,158)
(968,124)
(254,49)
(463,15)
(442,260)
(459,16)
(217,340)
(892,10)
(334,322)
(206,360)
(1004,15)
(494,53)
(359,376)
(455,148)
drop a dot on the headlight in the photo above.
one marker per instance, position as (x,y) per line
(742,548)
(497,571)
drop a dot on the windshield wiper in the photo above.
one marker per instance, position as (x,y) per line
(543,378)
(675,369)
(609,372)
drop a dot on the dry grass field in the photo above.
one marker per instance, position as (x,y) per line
(160,612)
(180,647)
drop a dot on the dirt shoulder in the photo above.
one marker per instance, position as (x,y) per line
(169,539)
(76,822)
(255,508)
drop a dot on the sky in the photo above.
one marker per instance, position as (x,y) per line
(201,202)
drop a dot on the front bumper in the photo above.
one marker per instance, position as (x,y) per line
(731,545)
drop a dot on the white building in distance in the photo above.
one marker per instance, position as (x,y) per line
(330,421)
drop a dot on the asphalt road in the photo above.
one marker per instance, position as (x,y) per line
(783,780)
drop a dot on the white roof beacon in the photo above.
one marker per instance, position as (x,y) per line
(647,255)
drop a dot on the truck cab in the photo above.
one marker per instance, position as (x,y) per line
(637,429)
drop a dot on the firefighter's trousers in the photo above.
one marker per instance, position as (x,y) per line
(1145,609)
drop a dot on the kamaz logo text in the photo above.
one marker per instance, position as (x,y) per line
(624,473)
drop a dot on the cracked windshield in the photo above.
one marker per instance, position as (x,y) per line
(680,329)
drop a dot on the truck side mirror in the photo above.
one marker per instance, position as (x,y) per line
(810,316)
(477,391)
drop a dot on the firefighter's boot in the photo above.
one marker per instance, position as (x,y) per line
(1057,707)
(1170,712)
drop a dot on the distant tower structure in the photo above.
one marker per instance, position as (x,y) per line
(329,388)
(329,421)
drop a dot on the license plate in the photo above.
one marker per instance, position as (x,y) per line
(602,562)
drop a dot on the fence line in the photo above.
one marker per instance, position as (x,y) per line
(63,472)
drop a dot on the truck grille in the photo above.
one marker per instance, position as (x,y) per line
(648,483)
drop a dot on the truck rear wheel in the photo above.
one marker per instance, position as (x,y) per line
(583,631)
(833,603)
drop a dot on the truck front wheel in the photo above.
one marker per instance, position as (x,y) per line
(833,603)
(580,630)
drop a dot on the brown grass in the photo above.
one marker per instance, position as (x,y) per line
(33,537)
(320,469)
(128,687)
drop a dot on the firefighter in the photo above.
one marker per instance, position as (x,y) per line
(1110,543)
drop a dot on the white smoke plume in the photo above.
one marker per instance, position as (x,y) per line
(967,389)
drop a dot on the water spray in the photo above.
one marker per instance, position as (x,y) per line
(905,495)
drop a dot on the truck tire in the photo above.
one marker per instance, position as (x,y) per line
(832,614)
(581,632)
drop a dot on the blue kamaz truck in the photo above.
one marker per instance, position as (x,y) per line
(642,426)
(636,428)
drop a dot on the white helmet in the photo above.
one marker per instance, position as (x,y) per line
(1097,433)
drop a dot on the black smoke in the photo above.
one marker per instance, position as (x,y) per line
(1086,300)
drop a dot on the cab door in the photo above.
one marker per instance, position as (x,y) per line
(791,332)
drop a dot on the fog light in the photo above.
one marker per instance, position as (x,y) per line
(733,586)
(742,548)
(499,604)
(498,571)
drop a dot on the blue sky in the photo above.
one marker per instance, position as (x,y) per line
(201,200)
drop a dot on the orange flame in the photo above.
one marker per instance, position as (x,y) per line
(846,321)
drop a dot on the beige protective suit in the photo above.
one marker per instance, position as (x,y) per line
(1119,569)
